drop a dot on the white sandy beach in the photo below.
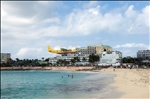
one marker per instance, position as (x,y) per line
(133,83)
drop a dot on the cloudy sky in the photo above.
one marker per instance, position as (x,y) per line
(28,27)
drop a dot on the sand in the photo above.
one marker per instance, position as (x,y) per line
(132,83)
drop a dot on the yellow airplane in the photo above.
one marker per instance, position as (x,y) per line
(62,51)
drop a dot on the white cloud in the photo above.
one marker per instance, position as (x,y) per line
(19,20)
(33,53)
(52,20)
(26,52)
(131,49)
(90,4)
(77,23)
(130,12)
(145,16)
(132,45)
(84,22)
(95,11)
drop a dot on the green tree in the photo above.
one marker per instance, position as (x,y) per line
(65,62)
(83,59)
(59,62)
(93,58)
(129,60)
(76,59)
(72,61)
(42,58)
(47,59)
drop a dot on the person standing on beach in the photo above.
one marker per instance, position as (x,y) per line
(114,69)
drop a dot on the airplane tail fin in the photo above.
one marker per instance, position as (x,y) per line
(49,48)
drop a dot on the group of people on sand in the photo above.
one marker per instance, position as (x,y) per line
(69,76)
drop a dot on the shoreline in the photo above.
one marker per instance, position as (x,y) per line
(60,68)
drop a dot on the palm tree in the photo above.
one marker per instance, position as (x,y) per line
(47,59)
(17,59)
(93,58)
(42,58)
(59,62)
(83,59)
(77,59)
(72,61)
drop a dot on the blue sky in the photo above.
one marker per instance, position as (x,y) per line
(28,27)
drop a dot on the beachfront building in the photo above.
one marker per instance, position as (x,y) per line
(97,49)
(5,57)
(69,57)
(82,54)
(144,54)
(102,48)
(86,50)
(110,58)
(53,60)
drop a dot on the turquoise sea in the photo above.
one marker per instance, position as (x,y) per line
(51,85)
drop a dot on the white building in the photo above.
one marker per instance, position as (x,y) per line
(145,54)
(110,58)
(53,60)
(5,57)
(68,57)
